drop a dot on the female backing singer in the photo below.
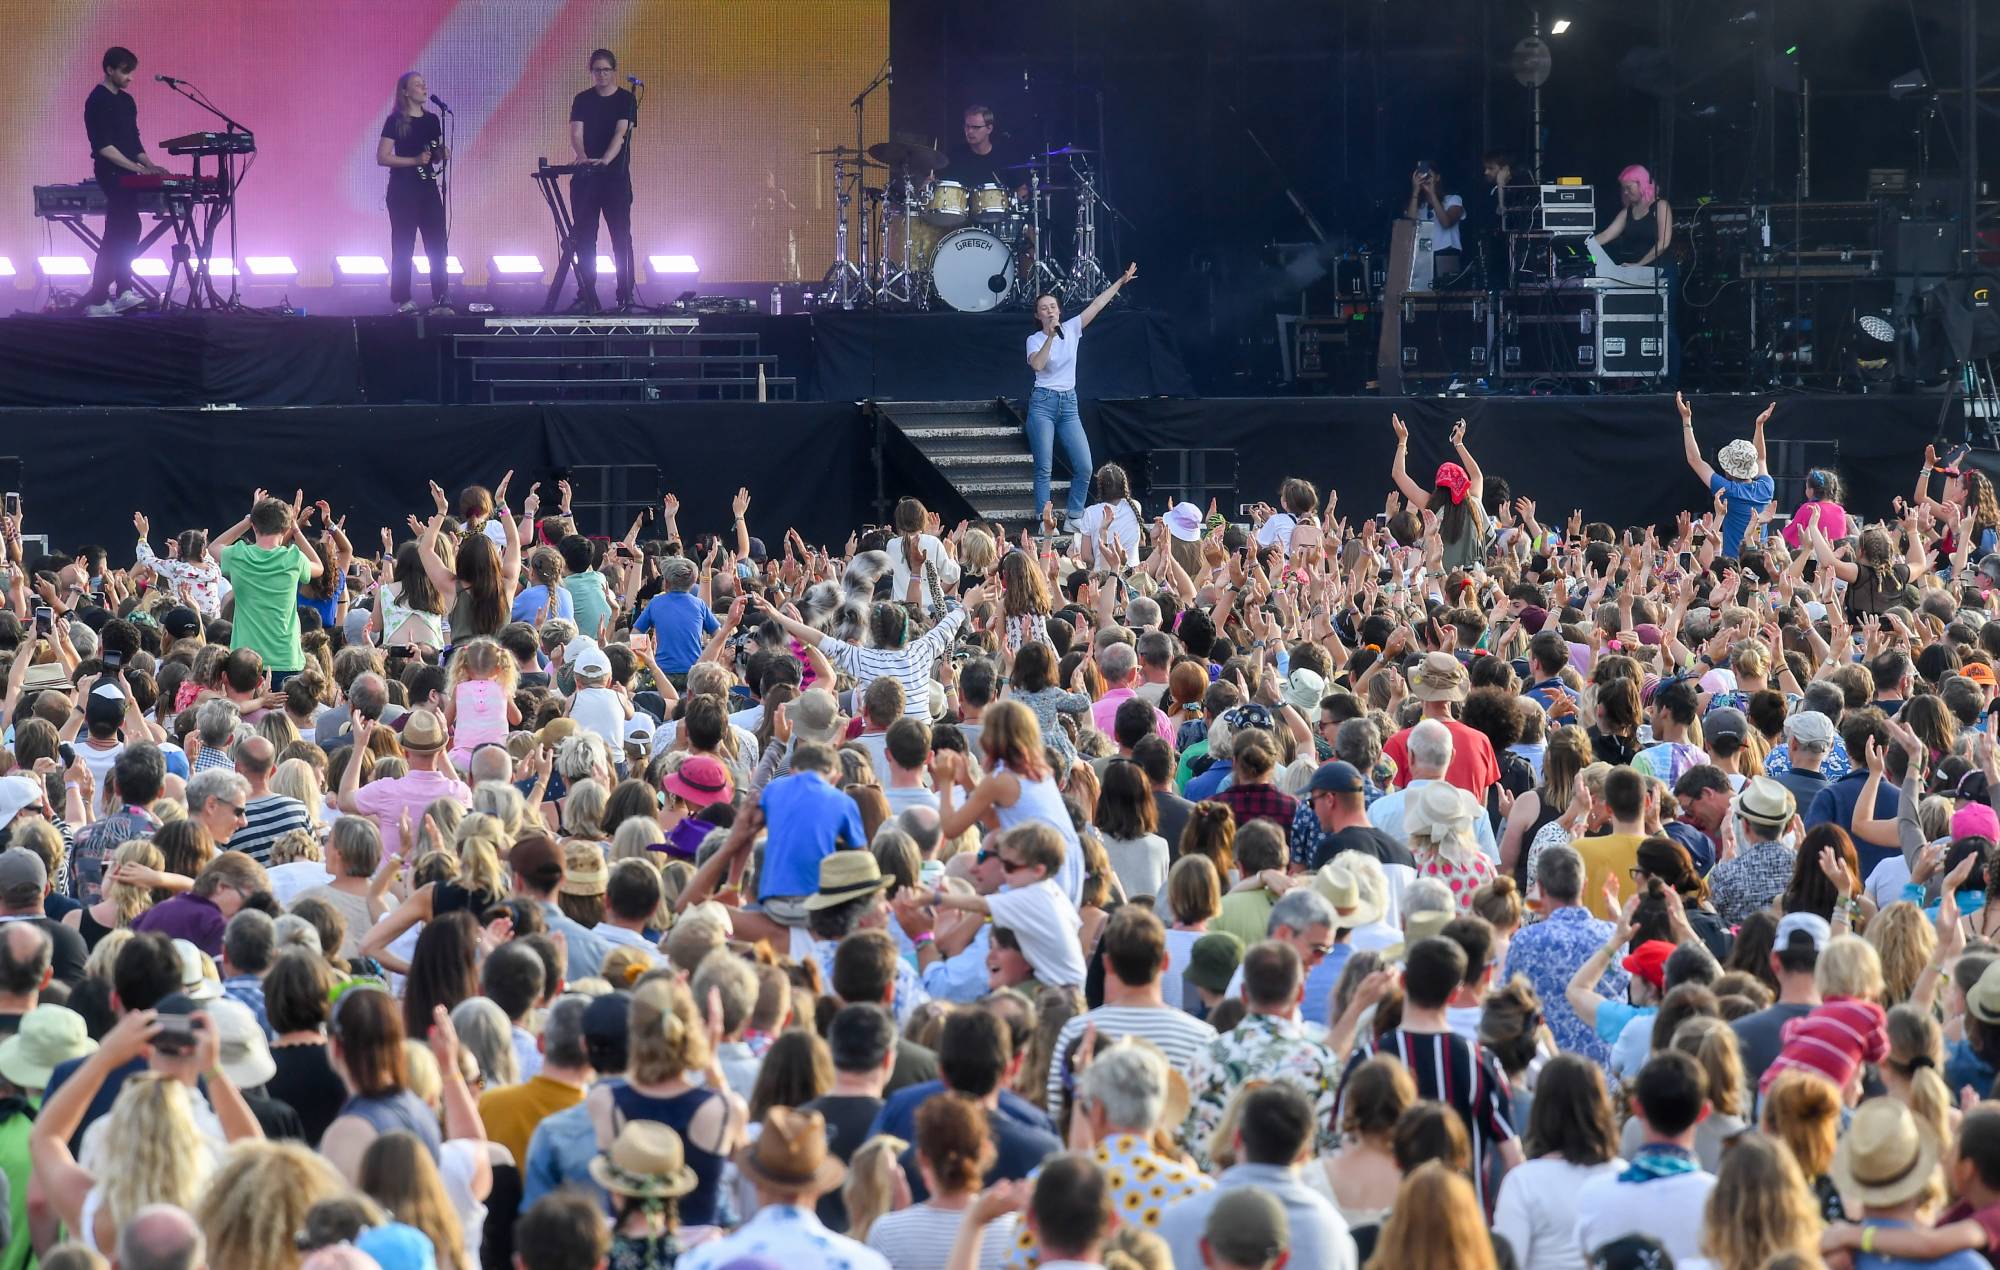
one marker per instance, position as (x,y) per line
(412,148)
(1052,353)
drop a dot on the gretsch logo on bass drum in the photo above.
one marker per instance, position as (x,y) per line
(983,244)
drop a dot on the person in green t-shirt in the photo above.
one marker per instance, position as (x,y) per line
(264,577)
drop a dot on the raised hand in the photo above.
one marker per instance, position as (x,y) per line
(1457,437)
(740,504)
(1687,411)
(1402,431)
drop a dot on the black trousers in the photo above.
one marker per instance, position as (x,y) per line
(113,272)
(415,205)
(608,194)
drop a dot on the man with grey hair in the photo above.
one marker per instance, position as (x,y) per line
(368,697)
(1142,615)
(217,800)
(1308,922)
(511,1112)
(267,817)
(215,724)
(1156,653)
(1809,738)
(1120,664)
(733,981)
(924,827)
(491,764)
(162,1237)
(679,619)
(1550,952)
(1429,749)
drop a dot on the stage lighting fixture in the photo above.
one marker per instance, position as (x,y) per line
(147,267)
(271,266)
(1877,328)
(6,267)
(219,267)
(1559,26)
(452,268)
(673,264)
(354,268)
(606,264)
(63,266)
(1913,81)
(516,266)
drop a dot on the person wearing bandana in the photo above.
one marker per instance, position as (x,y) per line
(1456,499)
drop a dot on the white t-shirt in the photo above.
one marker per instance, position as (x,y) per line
(1276,531)
(899,569)
(1060,373)
(599,710)
(1047,927)
(1669,1208)
(1110,520)
(1443,238)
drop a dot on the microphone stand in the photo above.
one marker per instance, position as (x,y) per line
(226,169)
(631,135)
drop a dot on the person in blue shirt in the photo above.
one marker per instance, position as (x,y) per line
(679,618)
(1744,481)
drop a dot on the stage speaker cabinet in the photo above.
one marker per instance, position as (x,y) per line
(1583,334)
(605,498)
(1320,344)
(1445,337)
(1567,209)
(1190,476)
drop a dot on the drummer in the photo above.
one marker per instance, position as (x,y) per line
(987,155)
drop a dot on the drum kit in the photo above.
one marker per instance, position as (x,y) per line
(920,240)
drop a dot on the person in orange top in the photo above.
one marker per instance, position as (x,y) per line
(1439,682)
(1614,855)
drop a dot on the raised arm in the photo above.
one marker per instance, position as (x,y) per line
(1757,431)
(442,578)
(1477,489)
(1418,497)
(1689,445)
(1105,296)
(739,507)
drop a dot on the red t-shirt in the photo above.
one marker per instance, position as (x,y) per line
(1988,1219)
(1473,767)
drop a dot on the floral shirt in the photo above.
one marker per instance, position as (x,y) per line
(202,580)
(1759,873)
(1836,765)
(1549,952)
(1142,1183)
(783,1235)
(1263,1047)
(1668,761)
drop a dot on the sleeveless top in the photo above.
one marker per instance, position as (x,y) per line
(1042,801)
(90,928)
(460,618)
(402,624)
(698,1206)
(1642,234)
(386,1113)
(450,897)
(481,714)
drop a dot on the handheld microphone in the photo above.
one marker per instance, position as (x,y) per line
(166,79)
(635,81)
(435,101)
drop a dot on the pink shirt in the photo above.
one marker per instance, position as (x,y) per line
(387,800)
(1105,710)
(1832,523)
(480,710)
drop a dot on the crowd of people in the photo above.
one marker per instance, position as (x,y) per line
(1444,888)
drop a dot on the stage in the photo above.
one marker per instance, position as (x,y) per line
(254,360)
(813,465)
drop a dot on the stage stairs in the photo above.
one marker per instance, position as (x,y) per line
(964,459)
(631,358)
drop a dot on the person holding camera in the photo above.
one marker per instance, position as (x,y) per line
(1431,203)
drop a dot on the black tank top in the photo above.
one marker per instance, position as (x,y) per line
(1642,234)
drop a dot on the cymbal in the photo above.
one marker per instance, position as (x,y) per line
(1062,150)
(836,150)
(908,154)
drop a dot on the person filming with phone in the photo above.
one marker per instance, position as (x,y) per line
(1431,203)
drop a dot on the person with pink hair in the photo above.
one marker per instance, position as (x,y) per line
(1644,226)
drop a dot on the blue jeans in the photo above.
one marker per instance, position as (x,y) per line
(1052,417)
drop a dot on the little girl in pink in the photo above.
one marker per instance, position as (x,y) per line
(479,699)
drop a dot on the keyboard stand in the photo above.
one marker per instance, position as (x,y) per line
(549,178)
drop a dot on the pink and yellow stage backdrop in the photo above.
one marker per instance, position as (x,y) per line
(738,93)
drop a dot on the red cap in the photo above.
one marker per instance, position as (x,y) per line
(1649,962)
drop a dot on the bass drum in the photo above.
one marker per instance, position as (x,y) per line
(973,270)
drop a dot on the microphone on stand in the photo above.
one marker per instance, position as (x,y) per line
(635,81)
(167,79)
(439,103)
(889,74)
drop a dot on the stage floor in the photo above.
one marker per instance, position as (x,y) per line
(254,360)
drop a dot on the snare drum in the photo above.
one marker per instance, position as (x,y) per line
(973,270)
(947,205)
(990,203)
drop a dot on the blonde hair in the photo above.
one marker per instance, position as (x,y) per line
(130,900)
(399,1174)
(167,810)
(1437,1221)
(583,810)
(258,1200)
(1760,1205)
(479,842)
(667,1035)
(871,1183)
(105,954)
(296,778)
(976,550)
(1916,1053)
(1712,1043)
(635,840)
(496,798)
(1849,967)
(159,1154)
(296,846)
(482,659)
(1904,939)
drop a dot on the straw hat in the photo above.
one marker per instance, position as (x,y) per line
(844,876)
(1885,1157)
(646,1161)
(1340,885)
(791,1151)
(1439,677)
(583,869)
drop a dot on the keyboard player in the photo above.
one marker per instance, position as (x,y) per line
(111,119)
(1643,231)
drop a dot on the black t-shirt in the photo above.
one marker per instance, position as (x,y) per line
(424,131)
(996,166)
(70,954)
(112,119)
(1368,841)
(847,1121)
(306,1082)
(599,114)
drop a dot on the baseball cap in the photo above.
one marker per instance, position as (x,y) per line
(1809,924)
(1725,721)
(1978,672)
(181,622)
(1213,960)
(1338,777)
(17,792)
(1649,962)
(106,704)
(591,664)
(21,869)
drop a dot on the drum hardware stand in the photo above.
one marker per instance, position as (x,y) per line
(1045,276)
(902,286)
(844,283)
(1086,274)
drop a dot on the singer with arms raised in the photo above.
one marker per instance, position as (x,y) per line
(111,118)
(412,148)
(601,120)
(1052,415)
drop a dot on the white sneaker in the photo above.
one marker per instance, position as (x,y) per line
(407,306)
(1069,526)
(128,300)
(107,309)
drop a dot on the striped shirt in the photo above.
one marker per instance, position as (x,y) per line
(920,1237)
(911,665)
(266,820)
(1454,1071)
(1179,1035)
